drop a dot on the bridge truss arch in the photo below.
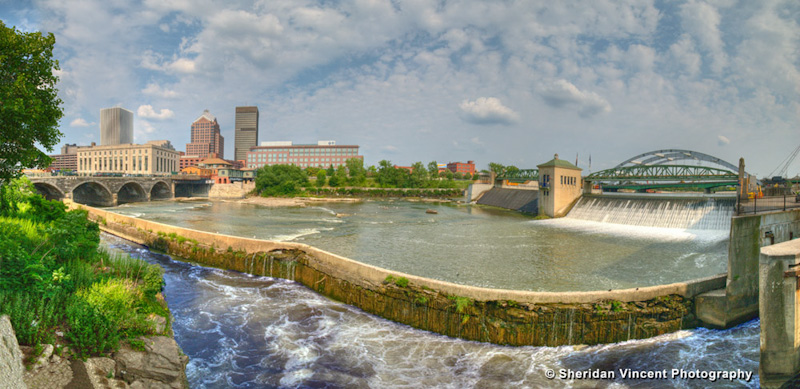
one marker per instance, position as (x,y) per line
(667,156)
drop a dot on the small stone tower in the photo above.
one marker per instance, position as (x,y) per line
(560,184)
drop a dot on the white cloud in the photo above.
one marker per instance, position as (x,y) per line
(156,90)
(701,21)
(181,65)
(722,140)
(80,122)
(563,93)
(147,111)
(487,110)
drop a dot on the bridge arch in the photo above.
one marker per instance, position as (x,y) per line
(666,156)
(131,192)
(93,193)
(49,191)
(160,191)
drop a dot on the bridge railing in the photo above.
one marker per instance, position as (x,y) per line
(768,204)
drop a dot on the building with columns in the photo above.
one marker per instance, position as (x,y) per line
(147,159)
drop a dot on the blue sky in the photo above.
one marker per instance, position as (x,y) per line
(492,81)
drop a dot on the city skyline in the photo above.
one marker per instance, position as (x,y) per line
(507,83)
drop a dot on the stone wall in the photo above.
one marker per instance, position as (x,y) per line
(510,317)
(236,190)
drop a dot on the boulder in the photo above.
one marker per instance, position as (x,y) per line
(162,361)
(11,368)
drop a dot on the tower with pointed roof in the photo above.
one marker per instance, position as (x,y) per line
(206,140)
(559,187)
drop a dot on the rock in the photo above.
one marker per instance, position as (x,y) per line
(11,369)
(47,351)
(159,322)
(99,370)
(161,361)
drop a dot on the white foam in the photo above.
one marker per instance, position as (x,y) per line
(302,232)
(635,232)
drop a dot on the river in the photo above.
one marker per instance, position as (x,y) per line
(244,331)
(469,245)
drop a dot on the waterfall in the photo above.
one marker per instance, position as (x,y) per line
(699,213)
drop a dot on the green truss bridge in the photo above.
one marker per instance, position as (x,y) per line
(520,176)
(663,176)
(655,170)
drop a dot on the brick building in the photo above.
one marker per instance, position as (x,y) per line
(206,139)
(461,167)
(323,154)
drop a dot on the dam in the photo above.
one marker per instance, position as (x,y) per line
(470,245)
(688,212)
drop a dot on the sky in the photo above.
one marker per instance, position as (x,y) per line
(512,82)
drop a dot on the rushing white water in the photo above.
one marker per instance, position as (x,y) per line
(242,331)
(682,213)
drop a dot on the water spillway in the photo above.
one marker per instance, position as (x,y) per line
(691,213)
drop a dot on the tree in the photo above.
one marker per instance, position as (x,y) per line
(497,168)
(321,178)
(467,176)
(280,180)
(29,103)
(355,168)
(433,170)
(418,175)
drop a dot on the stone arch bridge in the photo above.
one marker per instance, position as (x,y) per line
(111,191)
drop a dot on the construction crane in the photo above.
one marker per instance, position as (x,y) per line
(783,168)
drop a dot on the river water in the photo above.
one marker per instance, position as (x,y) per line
(244,331)
(467,244)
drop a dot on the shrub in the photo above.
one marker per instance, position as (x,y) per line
(74,236)
(90,331)
(401,282)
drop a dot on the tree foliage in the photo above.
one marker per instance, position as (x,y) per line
(29,103)
(356,171)
(280,180)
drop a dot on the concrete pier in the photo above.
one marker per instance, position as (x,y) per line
(779,285)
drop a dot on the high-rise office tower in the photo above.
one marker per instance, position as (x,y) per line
(246,131)
(116,126)
(206,138)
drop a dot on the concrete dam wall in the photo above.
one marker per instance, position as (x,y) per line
(517,199)
(506,317)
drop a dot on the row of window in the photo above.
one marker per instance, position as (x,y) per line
(120,164)
(335,164)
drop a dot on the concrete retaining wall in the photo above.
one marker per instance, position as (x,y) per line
(738,301)
(498,316)
(516,199)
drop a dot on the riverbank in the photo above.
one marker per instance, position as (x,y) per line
(498,316)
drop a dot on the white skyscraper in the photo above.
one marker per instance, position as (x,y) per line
(116,126)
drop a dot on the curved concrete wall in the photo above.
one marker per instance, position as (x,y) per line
(494,315)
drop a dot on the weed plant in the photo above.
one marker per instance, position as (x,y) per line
(53,277)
